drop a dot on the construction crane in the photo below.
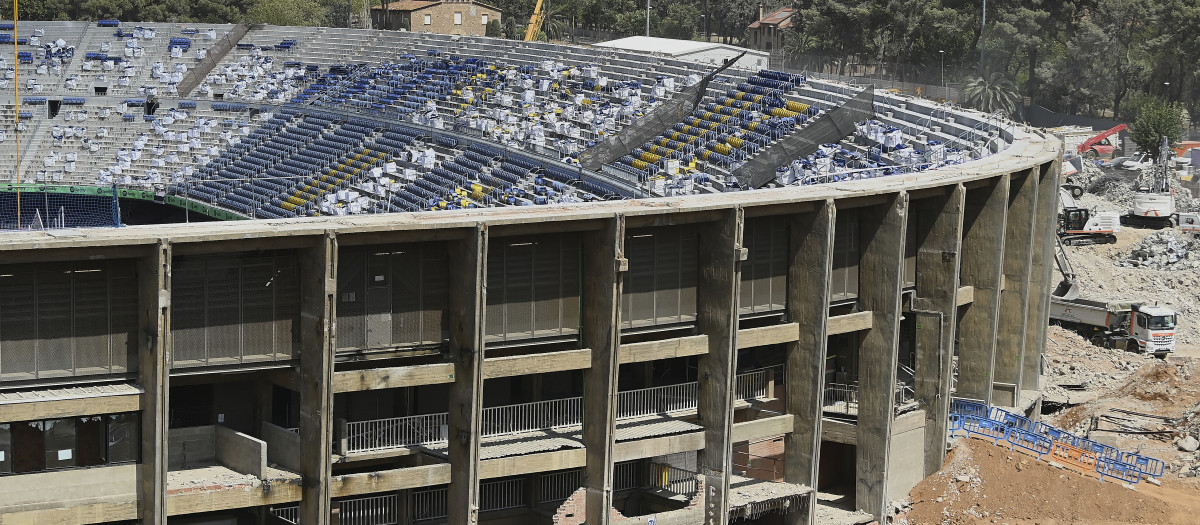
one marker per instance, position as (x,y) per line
(535,22)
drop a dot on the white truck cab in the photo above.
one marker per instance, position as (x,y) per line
(1153,328)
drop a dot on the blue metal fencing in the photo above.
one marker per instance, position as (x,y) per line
(996,425)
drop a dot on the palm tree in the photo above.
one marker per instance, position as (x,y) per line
(990,90)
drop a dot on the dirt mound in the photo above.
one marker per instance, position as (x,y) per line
(982,483)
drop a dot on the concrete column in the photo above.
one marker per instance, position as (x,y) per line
(468,264)
(603,263)
(982,265)
(810,263)
(154,373)
(939,237)
(404,511)
(882,230)
(1041,274)
(1014,299)
(716,298)
(318,284)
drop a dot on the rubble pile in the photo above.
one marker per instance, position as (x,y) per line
(1165,250)
(1114,187)
(1185,202)
(1074,364)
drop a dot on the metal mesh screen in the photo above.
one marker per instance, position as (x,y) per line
(764,274)
(391,296)
(234,308)
(660,286)
(67,319)
(533,287)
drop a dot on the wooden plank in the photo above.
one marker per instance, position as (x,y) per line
(768,335)
(536,363)
(655,350)
(855,322)
(393,377)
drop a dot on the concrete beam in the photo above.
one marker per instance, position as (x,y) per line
(318,284)
(389,480)
(665,349)
(855,322)
(717,300)
(939,246)
(603,263)
(532,463)
(468,259)
(34,409)
(966,294)
(985,213)
(542,363)
(839,431)
(154,373)
(1014,299)
(810,264)
(768,335)
(1041,274)
(882,233)
(393,377)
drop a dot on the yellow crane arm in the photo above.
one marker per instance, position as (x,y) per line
(535,23)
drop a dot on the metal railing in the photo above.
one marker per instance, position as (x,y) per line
(657,400)
(429,504)
(673,480)
(558,486)
(625,475)
(290,514)
(371,510)
(525,417)
(844,398)
(378,434)
(394,432)
(503,494)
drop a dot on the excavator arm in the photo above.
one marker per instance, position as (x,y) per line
(1067,289)
(535,22)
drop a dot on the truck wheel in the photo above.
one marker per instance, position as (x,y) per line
(1077,191)
(1090,154)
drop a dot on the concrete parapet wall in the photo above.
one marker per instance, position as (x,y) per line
(205,445)
(191,447)
(241,453)
(283,446)
(66,488)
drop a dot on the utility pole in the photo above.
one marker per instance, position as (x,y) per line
(983,34)
(647,17)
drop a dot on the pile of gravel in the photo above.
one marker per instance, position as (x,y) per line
(1165,250)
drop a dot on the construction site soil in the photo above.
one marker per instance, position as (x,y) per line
(1134,402)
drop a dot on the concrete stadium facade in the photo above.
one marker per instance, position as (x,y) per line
(843,281)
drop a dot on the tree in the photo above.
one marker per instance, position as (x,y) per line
(990,90)
(287,12)
(1156,119)
(492,28)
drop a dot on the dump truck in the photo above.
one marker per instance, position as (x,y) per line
(1135,327)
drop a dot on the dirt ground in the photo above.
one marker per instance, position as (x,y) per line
(982,483)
